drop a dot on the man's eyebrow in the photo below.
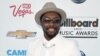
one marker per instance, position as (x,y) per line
(43,17)
(47,18)
(58,18)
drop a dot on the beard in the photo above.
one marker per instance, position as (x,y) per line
(51,32)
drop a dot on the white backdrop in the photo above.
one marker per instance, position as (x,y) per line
(9,22)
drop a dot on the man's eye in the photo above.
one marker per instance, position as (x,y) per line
(57,21)
(46,21)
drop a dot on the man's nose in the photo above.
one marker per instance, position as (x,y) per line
(51,23)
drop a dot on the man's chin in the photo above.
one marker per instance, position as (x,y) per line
(51,34)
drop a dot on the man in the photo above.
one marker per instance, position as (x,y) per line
(51,44)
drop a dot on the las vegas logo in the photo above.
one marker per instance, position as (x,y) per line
(21,10)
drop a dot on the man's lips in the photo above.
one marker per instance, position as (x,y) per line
(51,29)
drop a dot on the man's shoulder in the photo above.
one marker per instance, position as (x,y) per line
(69,42)
(35,41)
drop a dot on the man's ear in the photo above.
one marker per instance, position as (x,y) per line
(41,23)
(61,24)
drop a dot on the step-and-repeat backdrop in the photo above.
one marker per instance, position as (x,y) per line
(18,27)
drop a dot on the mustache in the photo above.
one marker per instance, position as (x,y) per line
(51,27)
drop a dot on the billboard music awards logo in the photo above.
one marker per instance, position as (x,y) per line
(80,27)
(21,10)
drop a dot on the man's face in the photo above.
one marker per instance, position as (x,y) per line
(50,22)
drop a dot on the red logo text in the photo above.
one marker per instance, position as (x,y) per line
(22,10)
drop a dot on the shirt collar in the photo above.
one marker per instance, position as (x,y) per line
(53,40)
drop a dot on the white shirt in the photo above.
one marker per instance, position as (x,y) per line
(58,46)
